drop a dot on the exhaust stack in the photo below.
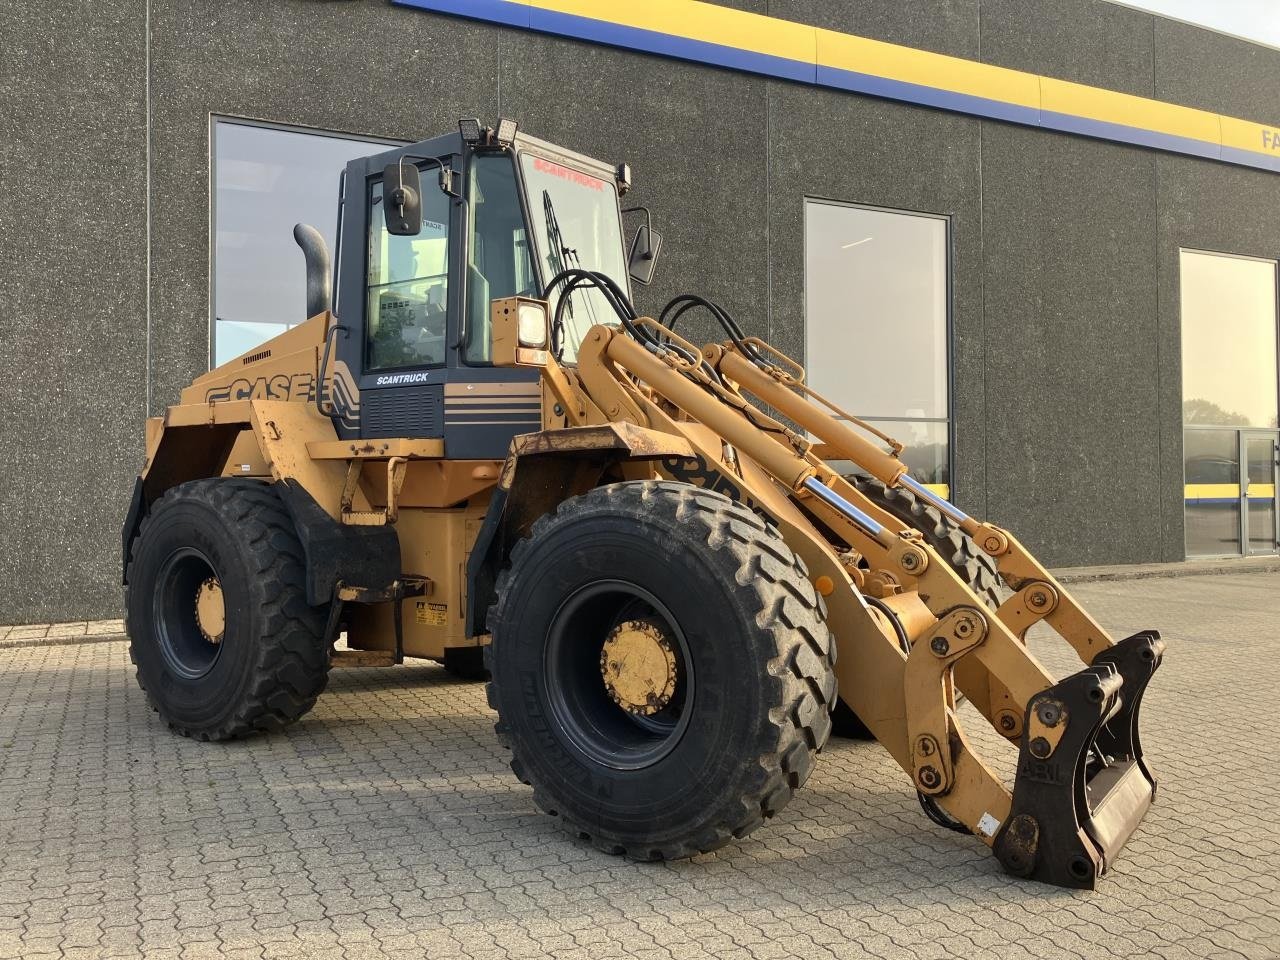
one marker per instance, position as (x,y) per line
(319,271)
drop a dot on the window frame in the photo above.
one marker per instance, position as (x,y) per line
(948,226)
(1243,531)
(1275,265)
(212,144)
(468,227)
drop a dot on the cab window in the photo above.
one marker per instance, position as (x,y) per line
(407,287)
(498,262)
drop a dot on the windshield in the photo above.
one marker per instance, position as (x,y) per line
(575,225)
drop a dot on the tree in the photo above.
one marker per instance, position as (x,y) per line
(1208,412)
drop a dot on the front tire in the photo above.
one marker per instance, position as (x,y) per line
(224,641)
(661,668)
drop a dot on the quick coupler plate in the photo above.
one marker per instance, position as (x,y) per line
(1082,785)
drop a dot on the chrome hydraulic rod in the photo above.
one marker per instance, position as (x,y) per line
(837,502)
(924,493)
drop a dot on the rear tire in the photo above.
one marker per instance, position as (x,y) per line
(976,568)
(270,662)
(750,668)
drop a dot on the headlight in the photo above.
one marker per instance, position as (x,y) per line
(531,325)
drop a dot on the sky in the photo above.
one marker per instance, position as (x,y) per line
(1252,19)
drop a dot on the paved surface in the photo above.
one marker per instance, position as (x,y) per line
(386,824)
(76,631)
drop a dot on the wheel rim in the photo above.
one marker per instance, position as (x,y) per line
(618,675)
(189,613)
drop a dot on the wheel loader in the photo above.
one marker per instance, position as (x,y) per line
(676,565)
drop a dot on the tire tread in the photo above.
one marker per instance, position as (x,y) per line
(773,580)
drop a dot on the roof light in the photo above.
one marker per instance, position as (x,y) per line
(470,129)
(506,134)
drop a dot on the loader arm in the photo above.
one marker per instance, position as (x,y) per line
(908,628)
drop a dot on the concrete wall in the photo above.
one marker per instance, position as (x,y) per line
(73,303)
(1067,378)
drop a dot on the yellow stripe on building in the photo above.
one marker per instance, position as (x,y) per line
(1109,106)
(844,51)
(695,20)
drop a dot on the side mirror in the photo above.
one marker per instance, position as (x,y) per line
(402,199)
(643,259)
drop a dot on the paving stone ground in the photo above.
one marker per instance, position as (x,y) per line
(386,824)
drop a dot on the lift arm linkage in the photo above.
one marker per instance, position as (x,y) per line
(1081,785)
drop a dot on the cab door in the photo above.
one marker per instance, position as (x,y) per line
(399,302)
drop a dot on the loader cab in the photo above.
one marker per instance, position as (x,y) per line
(413,355)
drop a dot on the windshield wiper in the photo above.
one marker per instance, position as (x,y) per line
(560,255)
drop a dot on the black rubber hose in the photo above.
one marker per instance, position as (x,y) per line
(688,301)
(612,293)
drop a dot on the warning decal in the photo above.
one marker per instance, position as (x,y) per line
(434,614)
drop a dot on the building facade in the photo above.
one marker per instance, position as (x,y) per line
(1045,259)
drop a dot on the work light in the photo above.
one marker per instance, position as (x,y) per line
(506,134)
(531,325)
(470,129)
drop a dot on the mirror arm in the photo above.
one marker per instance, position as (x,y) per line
(446,173)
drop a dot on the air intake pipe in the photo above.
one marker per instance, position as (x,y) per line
(319,271)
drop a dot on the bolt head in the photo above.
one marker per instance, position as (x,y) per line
(924,746)
(1039,748)
(940,646)
(929,777)
(1049,714)
(1038,600)
(1007,723)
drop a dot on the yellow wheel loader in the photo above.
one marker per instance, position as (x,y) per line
(481,453)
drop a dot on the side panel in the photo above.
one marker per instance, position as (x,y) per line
(434,544)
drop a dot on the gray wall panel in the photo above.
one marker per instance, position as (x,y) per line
(1084,41)
(943,26)
(859,150)
(1071,335)
(72,301)
(1211,71)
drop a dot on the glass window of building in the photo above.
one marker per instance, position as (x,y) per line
(877,286)
(1230,392)
(266,179)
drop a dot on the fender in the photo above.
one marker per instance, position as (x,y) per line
(192,442)
(552,466)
